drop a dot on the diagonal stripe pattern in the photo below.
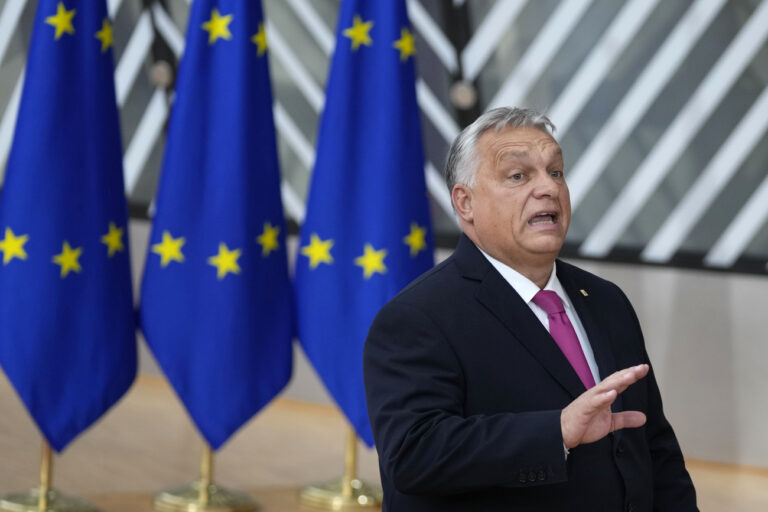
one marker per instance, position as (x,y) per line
(624,70)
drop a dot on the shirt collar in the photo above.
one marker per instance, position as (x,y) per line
(524,287)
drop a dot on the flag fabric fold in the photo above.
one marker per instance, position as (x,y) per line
(67,336)
(216,299)
(367,231)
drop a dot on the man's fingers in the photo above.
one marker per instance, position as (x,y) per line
(622,379)
(627,419)
(601,400)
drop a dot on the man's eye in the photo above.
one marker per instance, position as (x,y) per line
(517,176)
(556,174)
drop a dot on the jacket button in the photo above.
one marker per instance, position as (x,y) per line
(542,476)
(619,450)
(630,507)
(522,479)
(532,476)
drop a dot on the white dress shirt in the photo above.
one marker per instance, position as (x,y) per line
(526,289)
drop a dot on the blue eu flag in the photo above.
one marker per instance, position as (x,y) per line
(216,300)
(367,229)
(67,336)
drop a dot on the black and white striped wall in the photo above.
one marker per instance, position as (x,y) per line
(661,107)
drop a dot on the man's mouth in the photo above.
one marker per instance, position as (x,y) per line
(543,218)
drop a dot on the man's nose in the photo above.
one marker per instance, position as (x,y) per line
(545,185)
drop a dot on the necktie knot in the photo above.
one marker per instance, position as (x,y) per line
(549,302)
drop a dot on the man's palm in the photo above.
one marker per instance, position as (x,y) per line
(589,418)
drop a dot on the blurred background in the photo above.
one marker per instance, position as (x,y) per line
(661,108)
(645,95)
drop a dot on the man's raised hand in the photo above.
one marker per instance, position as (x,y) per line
(589,417)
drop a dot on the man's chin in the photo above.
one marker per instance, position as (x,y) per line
(549,247)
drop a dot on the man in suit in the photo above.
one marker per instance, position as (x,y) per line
(505,379)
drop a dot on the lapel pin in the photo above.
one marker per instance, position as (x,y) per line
(584,292)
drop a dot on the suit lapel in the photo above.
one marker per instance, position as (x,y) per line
(495,294)
(590,318)
(504,302)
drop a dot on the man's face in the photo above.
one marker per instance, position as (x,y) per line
(519,209)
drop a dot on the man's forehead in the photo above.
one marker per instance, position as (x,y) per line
(515,141)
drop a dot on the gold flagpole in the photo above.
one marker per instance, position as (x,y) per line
(44,498)
(350,465)
(204,494)
(206,474)
(347,492)
(46,473)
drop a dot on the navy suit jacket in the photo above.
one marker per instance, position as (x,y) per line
(465,389)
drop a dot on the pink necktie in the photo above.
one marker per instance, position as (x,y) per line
(562,331)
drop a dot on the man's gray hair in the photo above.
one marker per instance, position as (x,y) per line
(462,163)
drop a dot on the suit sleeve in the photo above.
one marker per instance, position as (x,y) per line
(673,488)
(414,387)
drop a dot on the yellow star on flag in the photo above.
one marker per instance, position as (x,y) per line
(113,239)
(318,251)
(62,20)
(268,239)
(67,259)
(405,44)
(13,246)
(105,35)
(260,40)
(225,261)
(358,32)
(416,239)
(218,26)
(169,249)
(372,261)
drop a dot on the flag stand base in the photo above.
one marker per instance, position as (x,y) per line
(219,499)
(331,495)
(57,502)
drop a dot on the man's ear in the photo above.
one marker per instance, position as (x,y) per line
(461,195)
